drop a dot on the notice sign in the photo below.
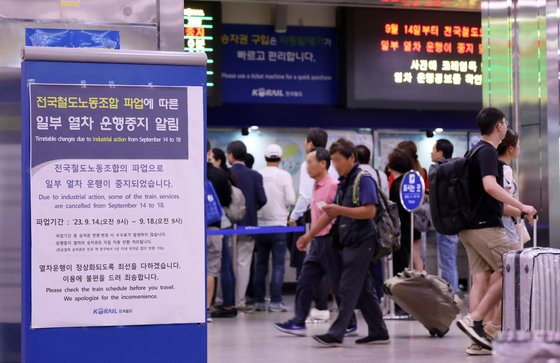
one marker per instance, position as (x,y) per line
(262,66)
(117,232)
(406,59)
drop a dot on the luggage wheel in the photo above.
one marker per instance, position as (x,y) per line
(434,332)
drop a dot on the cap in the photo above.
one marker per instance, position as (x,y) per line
(273,150)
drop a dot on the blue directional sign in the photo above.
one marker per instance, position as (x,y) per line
(412,191)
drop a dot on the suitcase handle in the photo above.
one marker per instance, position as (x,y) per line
(536,218)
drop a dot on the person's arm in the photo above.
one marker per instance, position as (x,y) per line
(511,211)
(289,194)
(321,224)
(492,187)
(515,212)
(366,211)
(305,192)
(261,195)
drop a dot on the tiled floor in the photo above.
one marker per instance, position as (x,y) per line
(252,338)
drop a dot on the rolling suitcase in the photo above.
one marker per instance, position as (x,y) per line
(527,347)
(429,299)
(531,289)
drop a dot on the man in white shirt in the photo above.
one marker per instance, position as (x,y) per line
(280,196)
(314,138)
(364,157)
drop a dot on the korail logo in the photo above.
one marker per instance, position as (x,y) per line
(102,311)
(265,92)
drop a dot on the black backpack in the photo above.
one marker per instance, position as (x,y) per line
(451,202)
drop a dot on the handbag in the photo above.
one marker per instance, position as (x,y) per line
(236,210)
(522,232)
(213,208)
(422,218)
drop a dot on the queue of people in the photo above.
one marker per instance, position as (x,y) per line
(336,251)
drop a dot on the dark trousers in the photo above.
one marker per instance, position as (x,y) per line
(321,294)
(227,276)
(267,244)
(322,259)
(356,291)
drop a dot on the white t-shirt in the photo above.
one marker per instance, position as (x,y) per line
(383,183)
(510,185)
(280,196)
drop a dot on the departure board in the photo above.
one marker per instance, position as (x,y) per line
(202,28)
(426,60)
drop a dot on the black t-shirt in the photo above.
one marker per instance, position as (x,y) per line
(221,184)
(485,162)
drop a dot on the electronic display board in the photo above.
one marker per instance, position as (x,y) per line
(202,33)
(401,59)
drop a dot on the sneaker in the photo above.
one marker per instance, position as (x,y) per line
(224,313)
(208,316)
(291,328)
(246,309)
(477,335)
(476,349)
(491,329)
(327,340)
(320,314)
(351,331)
(260,306)
(277,307)
(374,340)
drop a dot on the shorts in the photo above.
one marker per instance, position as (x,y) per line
(213,254)
(485,248)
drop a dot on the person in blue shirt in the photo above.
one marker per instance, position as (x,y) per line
(355,236)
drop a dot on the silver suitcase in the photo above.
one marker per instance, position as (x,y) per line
(531,289)
(527,347)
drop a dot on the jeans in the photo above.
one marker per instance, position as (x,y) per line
(227,276)
(265,245)
(447,258)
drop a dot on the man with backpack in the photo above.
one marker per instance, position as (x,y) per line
(446,243)
(484,237)
(354,209)
(322,258)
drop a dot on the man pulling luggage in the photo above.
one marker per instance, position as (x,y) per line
(355,235)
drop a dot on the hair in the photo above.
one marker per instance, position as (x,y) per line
(400,161)
(321,154)
(237,149)
(220,155)
(488,118)
(317,136)
(446,148)
(272,159)
(409,147)
(343,146)
(511,139)
(363,154)
(249,160)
